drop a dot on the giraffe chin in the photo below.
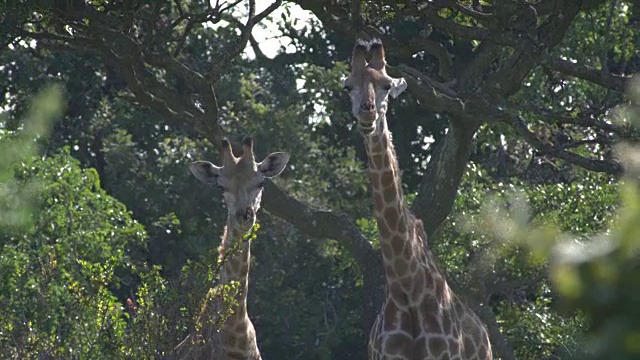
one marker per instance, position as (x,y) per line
(368,116)
(366,122)
(366,129)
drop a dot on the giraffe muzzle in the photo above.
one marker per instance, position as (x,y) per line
(368,107)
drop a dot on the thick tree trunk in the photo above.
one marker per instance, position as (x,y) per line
(441,180)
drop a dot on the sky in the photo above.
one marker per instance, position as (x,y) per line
(267,34)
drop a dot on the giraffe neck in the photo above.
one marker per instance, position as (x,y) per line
(410,270)
(236,253)
(235,338)
(238,336)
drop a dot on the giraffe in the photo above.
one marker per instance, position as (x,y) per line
(421,317)
(241,180)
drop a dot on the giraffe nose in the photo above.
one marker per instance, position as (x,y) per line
(368,106)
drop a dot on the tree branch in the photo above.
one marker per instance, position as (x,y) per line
(438,51)
(471,75)
(432,94)
(468,11)
(340,227)
(439,185)
(319,223)
(608,80)
(175,106)
(233,50)
(430,14)
(508,79)
(609,167)
(587,121)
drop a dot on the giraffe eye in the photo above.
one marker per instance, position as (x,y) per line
(386,87)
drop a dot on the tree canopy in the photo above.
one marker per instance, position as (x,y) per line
(516,137)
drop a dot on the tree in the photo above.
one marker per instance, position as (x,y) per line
(494,84)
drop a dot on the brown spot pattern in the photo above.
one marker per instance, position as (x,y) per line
(386,179)
(407,253)
(383,229)
(406,283)
(391,217)
(401,268)
(469,347)
(232,340)
(446,323)
(431,323)
(437,346)
(397,344)
(413,267)
(398,295)
(407,277)
(376,161)
(378,200)
(386,250)
(390,316)
(385,142)
(454,346)
(418,285)
(402,225)
(397,243)
(390,194)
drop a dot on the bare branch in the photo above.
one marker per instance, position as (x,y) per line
(445,60)
(340,227)
(468,11)
(53,37)
(471,75)
(449,26)
(606,79)
(256,48)
(170,107)
(234,49)
(432,94)
(185,33)
(266,12)
(508,79)
(578,143)
(320,223)
(608,167)
(506,284)
(586,121)
(213,14)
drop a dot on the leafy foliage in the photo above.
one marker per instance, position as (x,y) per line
(60,276)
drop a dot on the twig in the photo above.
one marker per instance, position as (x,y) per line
(608,80)
(609,167)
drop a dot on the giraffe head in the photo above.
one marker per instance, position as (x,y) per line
(241,180)
(369,85)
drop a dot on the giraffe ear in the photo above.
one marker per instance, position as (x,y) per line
(273,164)
(397,87)
(205,171)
